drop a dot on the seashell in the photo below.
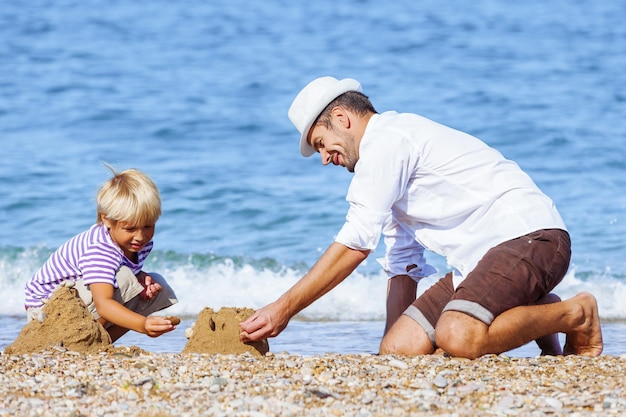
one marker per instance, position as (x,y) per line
(189,333)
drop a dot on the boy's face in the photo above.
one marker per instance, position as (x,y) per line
(130,238)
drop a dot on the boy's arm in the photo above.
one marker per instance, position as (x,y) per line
(114,312)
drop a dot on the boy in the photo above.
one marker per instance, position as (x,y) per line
(105,262)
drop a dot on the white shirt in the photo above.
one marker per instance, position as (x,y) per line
(425,185)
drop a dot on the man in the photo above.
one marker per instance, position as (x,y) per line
(426,186)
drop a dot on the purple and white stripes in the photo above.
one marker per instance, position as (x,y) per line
(90,255)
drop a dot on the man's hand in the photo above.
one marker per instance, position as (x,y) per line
(269,321)
(333,267)
(156,326)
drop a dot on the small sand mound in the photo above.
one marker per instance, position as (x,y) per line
(215,333)
(68,323)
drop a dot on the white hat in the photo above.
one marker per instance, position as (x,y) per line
(310,102)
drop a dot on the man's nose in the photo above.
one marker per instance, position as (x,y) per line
(326,157)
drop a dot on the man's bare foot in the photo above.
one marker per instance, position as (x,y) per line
(586,338)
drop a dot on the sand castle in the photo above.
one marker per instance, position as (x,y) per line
(218,332)
(68,325)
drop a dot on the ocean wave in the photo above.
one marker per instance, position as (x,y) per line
(210,280)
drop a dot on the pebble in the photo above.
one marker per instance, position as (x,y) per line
(440,381)
(279,384)
(554,403)
(395,363)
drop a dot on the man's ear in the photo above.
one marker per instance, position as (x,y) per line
(342,116)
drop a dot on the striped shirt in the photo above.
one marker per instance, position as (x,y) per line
(91,255)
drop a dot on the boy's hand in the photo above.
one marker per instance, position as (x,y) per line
(150,288)
(156,326)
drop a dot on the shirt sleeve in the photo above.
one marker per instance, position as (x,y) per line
(381,178)
(99,264)
(362,228)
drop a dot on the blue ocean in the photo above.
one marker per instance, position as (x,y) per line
(195,93)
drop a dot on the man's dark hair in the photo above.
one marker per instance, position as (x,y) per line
(354,101)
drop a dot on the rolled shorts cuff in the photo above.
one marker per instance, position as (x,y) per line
(470,308)
(414,313)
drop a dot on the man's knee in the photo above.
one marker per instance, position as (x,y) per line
(548,299)
(393,346)
(406,338)
(460,335)
(396,346)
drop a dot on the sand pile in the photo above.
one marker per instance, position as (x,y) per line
(215,333)
(67,324)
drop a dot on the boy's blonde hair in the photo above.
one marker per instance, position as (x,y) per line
(130,196)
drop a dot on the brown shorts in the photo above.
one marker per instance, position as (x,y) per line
(515,273)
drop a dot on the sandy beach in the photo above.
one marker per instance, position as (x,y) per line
(127,381)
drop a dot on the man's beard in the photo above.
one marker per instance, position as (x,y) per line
(350,158)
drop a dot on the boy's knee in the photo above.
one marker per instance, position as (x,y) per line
(166,291)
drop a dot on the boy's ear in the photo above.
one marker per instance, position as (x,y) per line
(106,221)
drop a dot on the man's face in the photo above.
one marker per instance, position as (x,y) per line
(335,145)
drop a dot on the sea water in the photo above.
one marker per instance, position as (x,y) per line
(196,94)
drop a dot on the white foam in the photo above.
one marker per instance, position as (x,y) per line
(358,298)
(223,283)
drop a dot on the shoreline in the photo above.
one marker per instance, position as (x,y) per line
(129,381)
(311,338)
